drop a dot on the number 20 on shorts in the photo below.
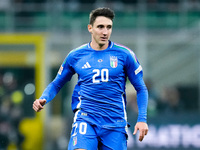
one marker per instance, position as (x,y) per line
(82,128)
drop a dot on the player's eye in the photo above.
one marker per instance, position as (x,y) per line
(100,26)
(109,27)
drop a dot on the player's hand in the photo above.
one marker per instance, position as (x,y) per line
(143,129)
(38,104)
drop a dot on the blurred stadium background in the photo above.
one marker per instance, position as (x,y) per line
(35,37)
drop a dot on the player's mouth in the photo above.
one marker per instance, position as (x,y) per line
(104,38)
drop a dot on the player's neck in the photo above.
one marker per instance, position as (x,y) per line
(99,47)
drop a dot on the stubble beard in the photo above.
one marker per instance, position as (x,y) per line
(101,45)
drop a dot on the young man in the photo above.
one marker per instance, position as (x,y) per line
(99,100)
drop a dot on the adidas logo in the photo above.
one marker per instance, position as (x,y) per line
(87,65)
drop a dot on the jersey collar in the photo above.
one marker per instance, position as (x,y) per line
(110,45)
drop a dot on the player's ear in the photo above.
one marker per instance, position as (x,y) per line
(90,28)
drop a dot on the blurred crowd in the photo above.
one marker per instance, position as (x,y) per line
(11,112)
(92,1)
(7,3)
(167,102)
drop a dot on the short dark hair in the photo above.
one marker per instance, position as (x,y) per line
(106,12)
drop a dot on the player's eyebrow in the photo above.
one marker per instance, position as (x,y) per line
(101,26)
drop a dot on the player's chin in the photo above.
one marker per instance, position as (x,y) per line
(103,42)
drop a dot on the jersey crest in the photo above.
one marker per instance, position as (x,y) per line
(113,61)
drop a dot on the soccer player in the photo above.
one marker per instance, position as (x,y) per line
(99,99)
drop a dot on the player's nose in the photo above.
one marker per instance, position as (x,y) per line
(105,31)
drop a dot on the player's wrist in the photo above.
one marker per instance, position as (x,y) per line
(142,120)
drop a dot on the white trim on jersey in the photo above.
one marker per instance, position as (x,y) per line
(125,115)
(75,116)
(78,106)
(124,108)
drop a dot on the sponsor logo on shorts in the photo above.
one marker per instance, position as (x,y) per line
(84,114)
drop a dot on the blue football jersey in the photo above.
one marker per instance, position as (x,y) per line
(99,96)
